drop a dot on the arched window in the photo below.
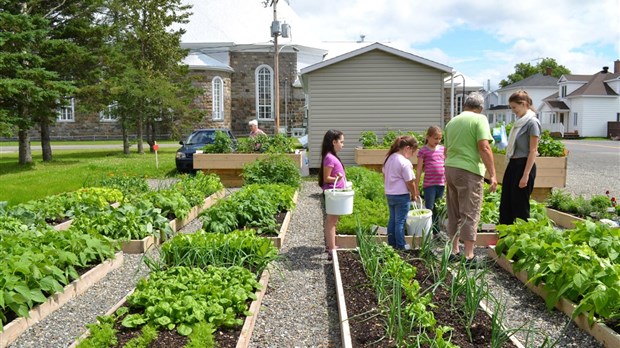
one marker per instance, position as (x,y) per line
(264,92)
(217,86)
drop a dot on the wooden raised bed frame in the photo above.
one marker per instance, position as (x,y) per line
(77,287)
(248,325)
(600,331)
(550,173)
(374,158)
(229,166)
(345,332)
(142,245)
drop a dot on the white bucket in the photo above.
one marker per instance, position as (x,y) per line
(419,221)
(339,201)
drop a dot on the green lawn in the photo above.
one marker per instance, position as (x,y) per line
(72,169)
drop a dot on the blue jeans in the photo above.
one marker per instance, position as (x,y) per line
(399,208)
(432,194)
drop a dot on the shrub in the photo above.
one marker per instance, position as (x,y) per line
(221,144)
(273,169)
(369,139)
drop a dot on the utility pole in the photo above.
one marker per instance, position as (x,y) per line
(276,64)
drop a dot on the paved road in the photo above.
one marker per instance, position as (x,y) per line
(593,167)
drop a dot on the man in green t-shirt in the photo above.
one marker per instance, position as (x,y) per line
(467,139)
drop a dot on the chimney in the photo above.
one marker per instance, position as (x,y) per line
(617,66)
(548,71)
(605,70)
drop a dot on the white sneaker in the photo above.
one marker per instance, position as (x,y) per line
(407,247)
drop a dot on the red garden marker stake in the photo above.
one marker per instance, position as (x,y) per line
(156,147)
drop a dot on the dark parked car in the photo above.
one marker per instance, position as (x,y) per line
(197,140)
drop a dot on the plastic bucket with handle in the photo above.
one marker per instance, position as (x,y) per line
(419,220)
(339,201)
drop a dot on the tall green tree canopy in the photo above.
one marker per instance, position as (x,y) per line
(524,70)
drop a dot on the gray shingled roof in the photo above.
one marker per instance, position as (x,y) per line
(536,80)
(596,85)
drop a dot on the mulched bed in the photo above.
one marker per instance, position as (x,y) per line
(367,327)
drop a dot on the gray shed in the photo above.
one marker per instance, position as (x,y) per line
(376,88)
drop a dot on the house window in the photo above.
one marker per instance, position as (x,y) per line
(563,94)
(109,114)
(459,104)
(217,86)
(575,118)
(66,113)
(264,93)
(554,118)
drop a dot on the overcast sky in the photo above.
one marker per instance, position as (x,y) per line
(482,39)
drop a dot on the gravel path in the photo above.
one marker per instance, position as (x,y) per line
(299,309)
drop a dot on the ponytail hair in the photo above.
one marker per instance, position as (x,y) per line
(400,143)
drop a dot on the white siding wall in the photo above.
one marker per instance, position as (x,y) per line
(373,91)
(594,113)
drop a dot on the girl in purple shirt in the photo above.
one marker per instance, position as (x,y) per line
(331,171)
(398,178)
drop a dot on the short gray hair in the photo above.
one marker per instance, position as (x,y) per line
(253,123)
(474,100)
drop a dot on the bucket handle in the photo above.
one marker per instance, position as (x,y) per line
(415,204)
(335,181)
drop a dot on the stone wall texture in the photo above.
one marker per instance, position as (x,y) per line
(239,101)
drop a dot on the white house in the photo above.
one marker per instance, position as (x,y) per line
(583,104)
(538,86)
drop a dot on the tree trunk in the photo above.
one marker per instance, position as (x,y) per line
(25,152)
(150,134)
(140,134)
(125,137)
(46,146)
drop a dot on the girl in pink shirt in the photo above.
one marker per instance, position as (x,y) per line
(331,171)
(400,189)
(431,160)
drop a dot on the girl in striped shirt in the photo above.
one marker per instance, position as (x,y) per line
(431,158)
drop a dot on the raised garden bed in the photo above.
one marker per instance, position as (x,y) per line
(603,333)
(224,339)
(142,245)
(562,219)
(13,329)
(229,166)
(374,158)
(550,173)
(361,325)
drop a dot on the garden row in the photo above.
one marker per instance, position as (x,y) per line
(370,210)
(53,249)
(256,209)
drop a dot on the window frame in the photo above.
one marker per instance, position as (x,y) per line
(217,92)
(264,110)
(106,116)
(66,113)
